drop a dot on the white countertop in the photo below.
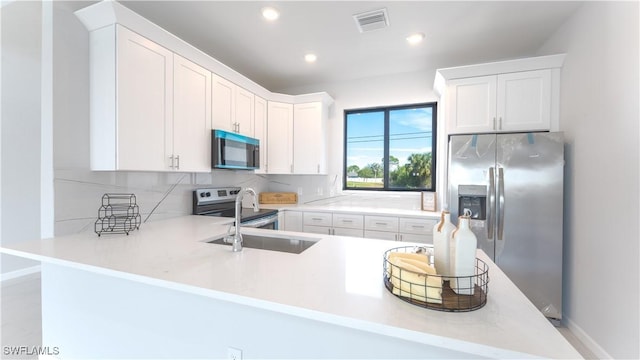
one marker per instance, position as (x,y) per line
(338,280)
(365,210)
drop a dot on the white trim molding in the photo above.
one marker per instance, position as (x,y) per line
(588,342)
(12,275)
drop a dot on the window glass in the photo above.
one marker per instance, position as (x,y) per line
(365,149)
(390,148)
(410,148)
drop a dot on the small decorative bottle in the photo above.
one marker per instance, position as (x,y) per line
(463,257)
(441,240)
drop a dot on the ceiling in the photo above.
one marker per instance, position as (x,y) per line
(272,53)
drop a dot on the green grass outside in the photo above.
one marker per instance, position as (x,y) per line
(358,184)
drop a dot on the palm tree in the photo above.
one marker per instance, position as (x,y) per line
(376,168)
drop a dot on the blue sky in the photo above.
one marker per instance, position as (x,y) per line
(410,132)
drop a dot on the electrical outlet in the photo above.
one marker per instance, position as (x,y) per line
(234,354)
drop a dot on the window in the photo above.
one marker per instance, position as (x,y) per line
(391,148)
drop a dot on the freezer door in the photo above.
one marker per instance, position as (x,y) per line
(529,177)
(471,160)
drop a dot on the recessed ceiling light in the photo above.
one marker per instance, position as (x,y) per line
(415,38)
(270,14)
(310,58)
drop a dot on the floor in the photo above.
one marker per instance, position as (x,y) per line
(21,318)
(20,310)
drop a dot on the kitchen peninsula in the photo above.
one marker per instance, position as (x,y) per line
(164,292)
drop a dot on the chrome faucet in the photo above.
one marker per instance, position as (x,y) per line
(236,245)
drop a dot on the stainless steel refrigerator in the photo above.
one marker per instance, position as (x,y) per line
(512,184)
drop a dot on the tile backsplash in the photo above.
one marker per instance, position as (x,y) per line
(78,193)
(161,195)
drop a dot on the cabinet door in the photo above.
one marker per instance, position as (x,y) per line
(423,238)
(260,131)
(280,135)
(293,220)
(144,87)
(317,229)
(524,101)
(348,232)
(223,103)
(244,112)
(472,105)
(309,143)
(191,116)
(382,235)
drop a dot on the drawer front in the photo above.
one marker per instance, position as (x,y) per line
(381,223)
(348,232)
(348,221)
(423,238)
(317,229)
(317,218)
(382,235)
(417,226)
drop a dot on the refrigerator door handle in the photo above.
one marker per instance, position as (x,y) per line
(491,219)
(500,203)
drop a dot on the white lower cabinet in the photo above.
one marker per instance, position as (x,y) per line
(417,230)
(382,235)
(333,224)
(399,229)
(393,228)
(292,221)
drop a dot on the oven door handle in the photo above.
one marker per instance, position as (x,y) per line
(260,222)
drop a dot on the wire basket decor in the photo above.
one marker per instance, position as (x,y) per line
(413,279)
(118,214)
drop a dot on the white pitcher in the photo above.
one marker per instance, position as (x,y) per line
(441,244)
(463,257)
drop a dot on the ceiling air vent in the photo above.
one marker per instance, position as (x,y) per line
(372,20)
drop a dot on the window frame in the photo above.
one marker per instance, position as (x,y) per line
(387,110)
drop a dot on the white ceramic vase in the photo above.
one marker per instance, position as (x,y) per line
(463,257)
(441,244)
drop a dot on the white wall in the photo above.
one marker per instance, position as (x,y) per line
(21,127)
(599,115)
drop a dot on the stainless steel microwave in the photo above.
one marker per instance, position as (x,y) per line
(234,151)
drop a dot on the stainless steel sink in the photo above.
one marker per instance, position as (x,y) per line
(273,243)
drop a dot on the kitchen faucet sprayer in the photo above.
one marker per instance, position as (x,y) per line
(237,237)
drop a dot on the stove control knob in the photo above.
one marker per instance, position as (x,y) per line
(208,194)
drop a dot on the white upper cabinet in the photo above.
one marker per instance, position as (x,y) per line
(233,107)
(519,101)
(472,104)
(223,103)
(154,100)
(244,121)
(280,135)
(296,138)
(260,132)
(524,101)
(137,115)
(150,109)
(191,116)
(507,96)
(309,138)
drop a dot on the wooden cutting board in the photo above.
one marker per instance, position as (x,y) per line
(278,198)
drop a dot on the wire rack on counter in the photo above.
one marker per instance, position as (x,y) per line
(417,286)
(118,214)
